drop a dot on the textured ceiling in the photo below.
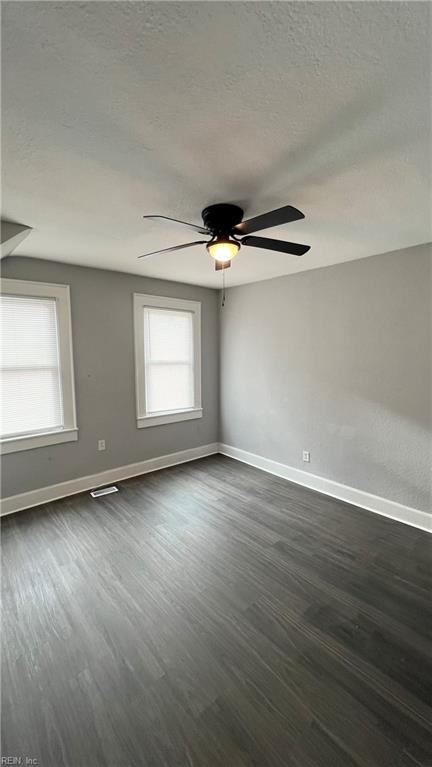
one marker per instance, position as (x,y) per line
(113,110)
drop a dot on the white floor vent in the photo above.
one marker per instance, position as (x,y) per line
(103,491)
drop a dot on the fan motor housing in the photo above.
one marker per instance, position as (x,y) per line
(221,218)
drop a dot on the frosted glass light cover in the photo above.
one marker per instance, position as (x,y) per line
(223,251)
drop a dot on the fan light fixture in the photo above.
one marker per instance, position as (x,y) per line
(223,249)
(223,224)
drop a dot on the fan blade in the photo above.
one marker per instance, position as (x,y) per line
(176,247)
(294,248)
(222,265)
(274,218)
(195,227)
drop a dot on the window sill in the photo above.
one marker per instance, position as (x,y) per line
(159,420)
(29,442)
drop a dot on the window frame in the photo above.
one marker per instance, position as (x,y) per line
(69,431)
(140,302)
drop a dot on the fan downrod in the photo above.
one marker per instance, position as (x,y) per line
(221,218)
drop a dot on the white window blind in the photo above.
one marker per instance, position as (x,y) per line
(169,360)
(31,397)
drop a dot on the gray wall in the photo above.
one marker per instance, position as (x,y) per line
(336,361)
(102,327)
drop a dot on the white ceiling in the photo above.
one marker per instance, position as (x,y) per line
(113,110)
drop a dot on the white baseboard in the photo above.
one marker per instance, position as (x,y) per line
(375,503)
(71,487)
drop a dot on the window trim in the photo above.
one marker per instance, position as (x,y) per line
(69,431)
(140,302)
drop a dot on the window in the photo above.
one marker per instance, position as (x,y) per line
(167,359)
(37,389)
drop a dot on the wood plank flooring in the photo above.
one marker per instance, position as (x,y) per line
(212,614)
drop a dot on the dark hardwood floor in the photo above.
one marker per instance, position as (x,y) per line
(212,614)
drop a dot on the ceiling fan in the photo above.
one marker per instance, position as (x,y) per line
(224,224)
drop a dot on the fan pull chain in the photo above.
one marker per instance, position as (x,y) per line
(223,287)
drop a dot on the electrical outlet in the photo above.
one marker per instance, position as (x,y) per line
(101,444)
(306,456)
